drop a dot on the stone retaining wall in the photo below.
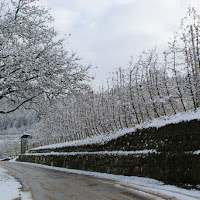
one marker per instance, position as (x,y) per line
(172,168)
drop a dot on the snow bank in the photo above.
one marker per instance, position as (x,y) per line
(106,137)
(9,187)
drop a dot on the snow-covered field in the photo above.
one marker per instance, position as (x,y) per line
(9,138)
(144,186)
(9,145)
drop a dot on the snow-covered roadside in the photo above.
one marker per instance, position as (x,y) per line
(10,188)
(142,185)
(106,137)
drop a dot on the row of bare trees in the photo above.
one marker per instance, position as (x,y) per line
(150,88)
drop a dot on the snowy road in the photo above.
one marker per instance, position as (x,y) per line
(48,184)
(41,182)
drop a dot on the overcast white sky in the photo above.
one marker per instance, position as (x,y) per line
(106,33)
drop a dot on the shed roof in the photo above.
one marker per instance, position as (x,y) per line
(26,136)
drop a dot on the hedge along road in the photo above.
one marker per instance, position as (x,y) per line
(50,184)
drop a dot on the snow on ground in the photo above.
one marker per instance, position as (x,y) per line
(142,185)
(10,188)
(146,151)
(106,137)
(196,152)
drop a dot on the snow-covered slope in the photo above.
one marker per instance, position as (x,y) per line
(106,137)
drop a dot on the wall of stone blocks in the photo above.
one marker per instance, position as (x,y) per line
(176,168)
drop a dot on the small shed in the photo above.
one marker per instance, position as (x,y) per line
(24,143)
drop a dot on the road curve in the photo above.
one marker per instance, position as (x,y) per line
(49,184)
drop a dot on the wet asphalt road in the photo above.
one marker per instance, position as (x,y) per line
(49,184)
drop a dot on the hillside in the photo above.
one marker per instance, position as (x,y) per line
(173,123)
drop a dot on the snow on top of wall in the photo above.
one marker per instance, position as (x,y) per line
(145,151)
(196,152)
(106,137)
